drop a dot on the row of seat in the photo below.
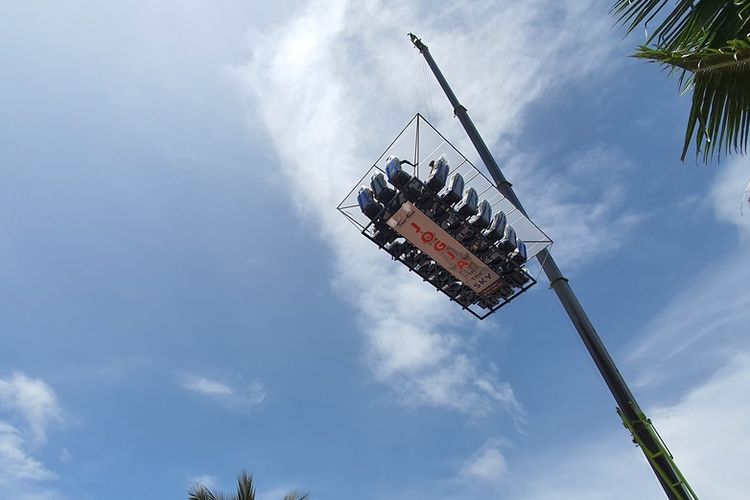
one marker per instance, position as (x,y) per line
(458,212)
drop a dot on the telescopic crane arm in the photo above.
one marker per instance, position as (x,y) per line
(644,434)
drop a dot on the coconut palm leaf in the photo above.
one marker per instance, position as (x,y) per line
(691,23)
(200,492)
(296,495)
(633,13)
(707,42)
(245,491)
(719,117)
(245,488)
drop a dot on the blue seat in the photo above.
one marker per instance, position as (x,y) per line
(520,255)
(508,242)
(481,219)
(497,227)
(455,189)
(468,205)
(395,173)
(383,193)
(367,203)
(438,174)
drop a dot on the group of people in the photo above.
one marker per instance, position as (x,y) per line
(456,210)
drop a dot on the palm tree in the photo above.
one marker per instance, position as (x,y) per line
(245,491)
(708,43)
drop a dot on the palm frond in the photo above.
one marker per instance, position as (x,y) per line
(245,491)
(200,492)
(690,23)
(297,495)
(719,119)
(245,488)
(633,13)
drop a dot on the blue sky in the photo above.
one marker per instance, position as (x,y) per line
(180,299)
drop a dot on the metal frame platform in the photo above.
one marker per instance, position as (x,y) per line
(417,137)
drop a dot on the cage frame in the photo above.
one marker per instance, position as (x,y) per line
(513,215)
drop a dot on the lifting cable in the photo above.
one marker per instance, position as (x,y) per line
(427,90)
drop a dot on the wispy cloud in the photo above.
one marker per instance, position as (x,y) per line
(335,83)
(698,345)
(32,401)
(581,203)
(487,465)
(729,197)
(16,464)
(706,323)
(27,408)
(703,430)
(204,480)
(206,386)
(238,395)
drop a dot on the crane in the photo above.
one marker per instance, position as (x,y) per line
(641,428)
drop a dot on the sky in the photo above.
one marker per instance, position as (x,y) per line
(180,299)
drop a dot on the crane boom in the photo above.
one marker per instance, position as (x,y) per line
(642,430)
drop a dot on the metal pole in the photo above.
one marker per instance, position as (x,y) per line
(643,432)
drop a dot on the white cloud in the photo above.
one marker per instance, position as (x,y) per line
(332,87)
(581,203)
(697,346)
(31,400)
(240,395)
(206,386)
(605,467)
(705,324)
(15,462)
(706,431)
(487,465)
(204,480)
(27,407)
(729,196)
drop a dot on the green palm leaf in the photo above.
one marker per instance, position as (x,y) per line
(708,43)
(200,492)
(691,23)
(719,117)
(296,495)
(245,491)
(245,488)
